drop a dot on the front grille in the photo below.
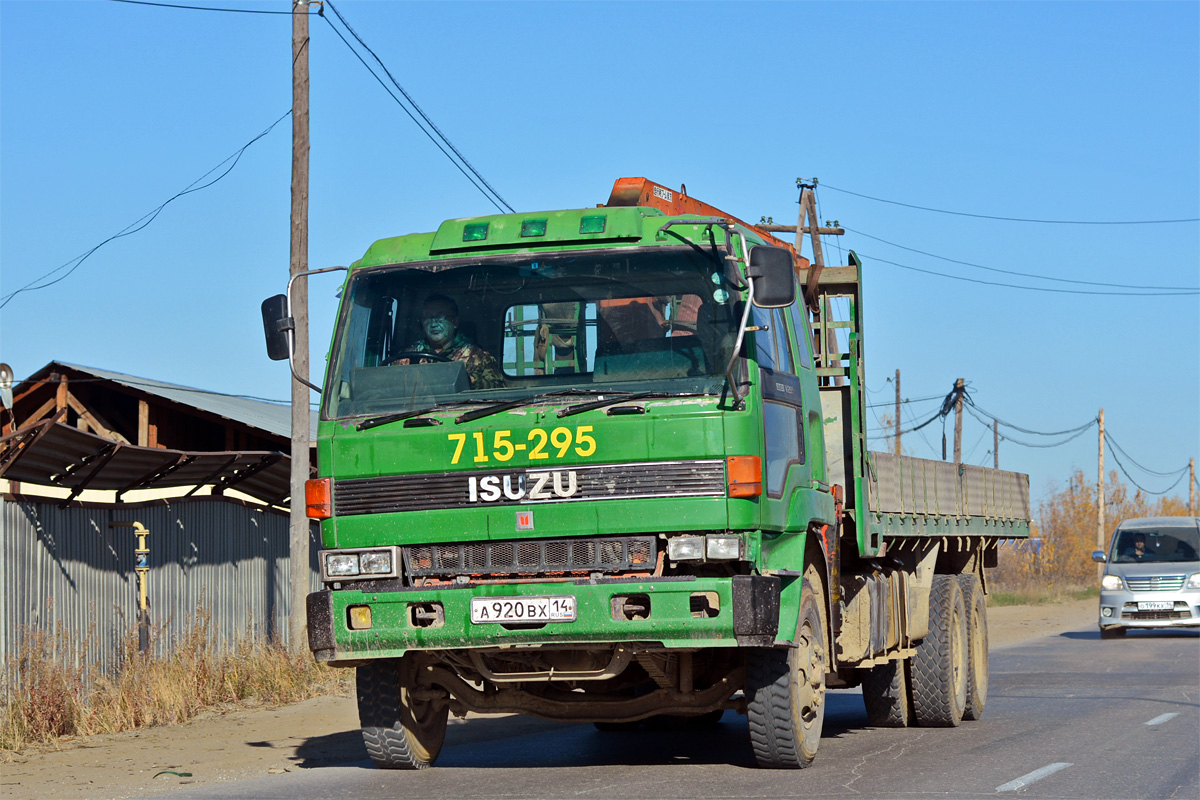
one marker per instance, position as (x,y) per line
(531,557)
(1149,615)
(486,488)
(1156,583)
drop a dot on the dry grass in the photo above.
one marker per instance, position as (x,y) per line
(1065,525)
(52,689)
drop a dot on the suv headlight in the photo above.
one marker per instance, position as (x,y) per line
(1193,581)
(1110,583)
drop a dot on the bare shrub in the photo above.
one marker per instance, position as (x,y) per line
(1056,564)
(51,689)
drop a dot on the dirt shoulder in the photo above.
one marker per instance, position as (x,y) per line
(251,742)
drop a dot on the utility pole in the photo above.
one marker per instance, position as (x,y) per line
(898,451)
(1192,487)
(1100,500)
(299,528)
(958,385)
(996,444)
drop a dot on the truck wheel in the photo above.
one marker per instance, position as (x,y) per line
(1111,632)
(399,730)
(886,695)
(785,689)
(939,669)
(977,645)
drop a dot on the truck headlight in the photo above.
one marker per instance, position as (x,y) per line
(1193,581)
(1110,583)
(341,564)
(724,547)
(378,562)
(685,548)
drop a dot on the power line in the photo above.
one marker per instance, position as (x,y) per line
(1187,293)
(1138,485)
(466,168)
(974,407)
(892,403)
(1108,438)
(416,108)
(207,8)
(142,222)
(1024,274)
(1015,219)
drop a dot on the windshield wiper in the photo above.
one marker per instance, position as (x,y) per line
(375,422)
(622,397)
(480,413)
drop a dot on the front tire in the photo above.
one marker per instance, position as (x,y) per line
(399,730)
(1111,632)
(977,646)
(785,689)
(939,670)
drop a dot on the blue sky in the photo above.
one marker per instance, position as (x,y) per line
(1065,111)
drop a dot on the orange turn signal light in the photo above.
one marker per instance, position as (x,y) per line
(744,474)
(318,498)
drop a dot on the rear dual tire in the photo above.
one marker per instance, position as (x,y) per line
(977,646)
(940,666)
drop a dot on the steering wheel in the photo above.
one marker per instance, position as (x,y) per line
(417,355)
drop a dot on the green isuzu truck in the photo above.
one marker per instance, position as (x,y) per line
(609,465)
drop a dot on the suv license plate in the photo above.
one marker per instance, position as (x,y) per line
(559,608)
(1155,605)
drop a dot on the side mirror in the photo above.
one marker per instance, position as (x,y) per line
(277,323)
(774,281)
(1098,556)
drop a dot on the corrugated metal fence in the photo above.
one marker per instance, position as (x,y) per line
(68,565)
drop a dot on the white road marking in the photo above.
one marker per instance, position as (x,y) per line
(1161,718)
(1036,775)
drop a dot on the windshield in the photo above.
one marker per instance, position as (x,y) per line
(1146,544)
(484,331)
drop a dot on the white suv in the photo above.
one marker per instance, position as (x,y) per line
(1153,575)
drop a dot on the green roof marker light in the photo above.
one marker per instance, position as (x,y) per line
(592,223)
(533,227)
(475,231)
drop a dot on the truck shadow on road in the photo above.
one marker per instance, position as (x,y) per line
(515,742)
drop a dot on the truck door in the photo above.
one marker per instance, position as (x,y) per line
(784,456)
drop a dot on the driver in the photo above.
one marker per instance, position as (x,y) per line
(439,324)
(1138,551)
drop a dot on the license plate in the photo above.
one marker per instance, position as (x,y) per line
(1155,605)
(559,608)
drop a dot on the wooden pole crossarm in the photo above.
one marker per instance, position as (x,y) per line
(794,229)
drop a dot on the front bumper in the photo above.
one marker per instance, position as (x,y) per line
(682,613)
(1121,609)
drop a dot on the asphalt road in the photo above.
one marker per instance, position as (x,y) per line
(1068,716)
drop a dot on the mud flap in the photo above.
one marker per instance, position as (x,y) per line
(755,610)
(319,606)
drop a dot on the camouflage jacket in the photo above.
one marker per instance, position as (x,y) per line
(482,369)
